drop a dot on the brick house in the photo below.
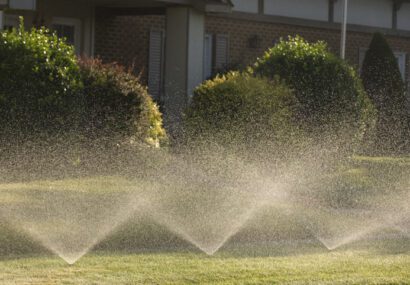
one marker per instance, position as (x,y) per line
(176,44)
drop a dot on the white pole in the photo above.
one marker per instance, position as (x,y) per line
(344,27)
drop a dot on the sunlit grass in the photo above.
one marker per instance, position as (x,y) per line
(344,267)
(23,261)
(87,184)
(398,161)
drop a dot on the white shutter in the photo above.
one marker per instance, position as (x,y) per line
(401,61)
(221,51)
(156,50)
(207,56)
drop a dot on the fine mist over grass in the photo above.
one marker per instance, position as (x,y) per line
(70,197)
(264,157)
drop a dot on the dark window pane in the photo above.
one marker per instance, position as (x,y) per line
(65,31)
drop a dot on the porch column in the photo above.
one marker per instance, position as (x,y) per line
(184,50)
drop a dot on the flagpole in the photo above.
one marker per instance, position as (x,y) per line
(344,28)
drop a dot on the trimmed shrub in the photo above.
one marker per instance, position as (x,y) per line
(331,95)
(46,93)
(39,81)
(383,82)
(240,109)
(117,105)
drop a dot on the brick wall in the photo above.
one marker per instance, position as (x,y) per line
(240,31)
(125,39)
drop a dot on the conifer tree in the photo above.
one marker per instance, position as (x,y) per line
(384,85)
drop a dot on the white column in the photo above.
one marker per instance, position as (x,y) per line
(184,49)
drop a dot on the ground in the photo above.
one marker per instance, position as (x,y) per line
(342,267)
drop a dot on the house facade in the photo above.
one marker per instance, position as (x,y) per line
(175,44)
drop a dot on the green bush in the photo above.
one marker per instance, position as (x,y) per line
(383,82)
(117,105)
(39,80)
(45,90)
(330,93)
(240,109)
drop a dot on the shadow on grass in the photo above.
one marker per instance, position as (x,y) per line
(152,239)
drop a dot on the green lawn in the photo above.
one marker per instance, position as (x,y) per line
(122,257)
(342,267)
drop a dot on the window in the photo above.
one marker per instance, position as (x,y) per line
(23,4)
(10,22)
(400,57)
(64,31)
(70,29)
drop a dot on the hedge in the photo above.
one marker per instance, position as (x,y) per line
(39,83)
(330,93)
(238,109)
(46,92)
(117,105)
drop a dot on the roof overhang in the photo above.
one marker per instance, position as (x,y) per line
(209,6)
(206,6)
